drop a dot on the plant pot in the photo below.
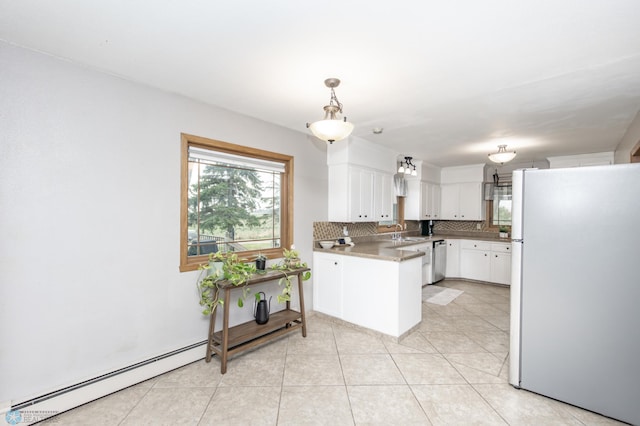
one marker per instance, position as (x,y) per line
(261,264)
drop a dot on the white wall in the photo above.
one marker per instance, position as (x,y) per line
(89,219)
(630,139)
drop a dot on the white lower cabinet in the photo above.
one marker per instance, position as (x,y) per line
(501,263)
(452,268)
(384,296)
(475,263)
(327,284)
(485,261)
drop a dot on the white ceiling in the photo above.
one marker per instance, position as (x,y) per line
(447,80)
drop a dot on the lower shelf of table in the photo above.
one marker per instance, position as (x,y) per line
(250,332)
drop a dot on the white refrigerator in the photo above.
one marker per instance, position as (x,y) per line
(575,293)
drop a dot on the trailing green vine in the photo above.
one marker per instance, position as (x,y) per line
(231,270)
(290,262)
(226,266)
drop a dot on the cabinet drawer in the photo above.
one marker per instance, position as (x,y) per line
(501,247)
(475,245)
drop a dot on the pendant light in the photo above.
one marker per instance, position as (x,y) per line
(502,156)
(405,167)
(332,128)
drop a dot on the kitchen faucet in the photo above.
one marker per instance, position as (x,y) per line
(396,235)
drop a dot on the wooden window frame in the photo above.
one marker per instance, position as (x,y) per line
(191,263)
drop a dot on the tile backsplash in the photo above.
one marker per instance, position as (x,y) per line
(334,230)
(458,225)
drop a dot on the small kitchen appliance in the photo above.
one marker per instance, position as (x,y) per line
(427,227)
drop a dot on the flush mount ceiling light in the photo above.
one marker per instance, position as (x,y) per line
(332,128)
(502,156)
(406,167)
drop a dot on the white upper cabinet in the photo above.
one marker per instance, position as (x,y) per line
(360,181)
(360,186)
(582,160)
(351,194)
(462,201)
(461,193)
(383,196)
(422,201)
(430,200)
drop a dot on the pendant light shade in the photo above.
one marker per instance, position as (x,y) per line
(332,128)
(502,156)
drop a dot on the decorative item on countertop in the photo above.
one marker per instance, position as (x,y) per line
(504,232)
(326,244)
(260,308)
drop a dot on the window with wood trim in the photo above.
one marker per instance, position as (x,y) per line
(233,198)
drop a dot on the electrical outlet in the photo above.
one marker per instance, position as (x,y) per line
(478,226)
(345,231)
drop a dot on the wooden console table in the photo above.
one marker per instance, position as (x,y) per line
(231,340)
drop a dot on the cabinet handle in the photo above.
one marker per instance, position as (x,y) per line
(496,255)
(335,263)
(485,255)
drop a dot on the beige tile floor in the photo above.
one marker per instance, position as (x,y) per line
(452,370)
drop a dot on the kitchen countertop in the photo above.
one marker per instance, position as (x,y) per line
(382,248)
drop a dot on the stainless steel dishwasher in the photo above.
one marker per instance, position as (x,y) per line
(439,261)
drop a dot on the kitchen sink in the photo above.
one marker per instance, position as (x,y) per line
(412,239)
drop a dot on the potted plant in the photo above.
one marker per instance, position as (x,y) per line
(504,232)
(222,266)
(261,262)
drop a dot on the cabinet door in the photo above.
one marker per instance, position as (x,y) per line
(327,284)
(425,200)
(470,201)
(360,195)
(435,201)
(501,268)
(450,204)
(475,264)
(354,194)
(453,259)
(413,201)
(383,196)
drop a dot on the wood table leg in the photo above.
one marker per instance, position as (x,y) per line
(301,296)
(225,331)
(212,329)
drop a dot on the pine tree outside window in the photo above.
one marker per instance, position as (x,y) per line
(234,199)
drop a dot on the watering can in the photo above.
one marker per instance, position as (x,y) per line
(261,309)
